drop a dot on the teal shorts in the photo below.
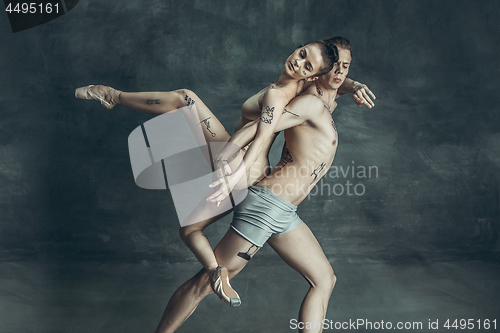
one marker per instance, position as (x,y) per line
(264,214)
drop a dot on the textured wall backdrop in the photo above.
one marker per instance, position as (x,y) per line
(66,186)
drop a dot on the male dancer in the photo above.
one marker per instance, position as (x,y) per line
(307,155)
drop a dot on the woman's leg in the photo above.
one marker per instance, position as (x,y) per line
(195,239)
(163,102)
(300,249)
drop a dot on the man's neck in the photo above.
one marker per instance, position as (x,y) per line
(324,91)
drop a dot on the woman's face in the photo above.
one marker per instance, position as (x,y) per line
(304,62)
(340,69)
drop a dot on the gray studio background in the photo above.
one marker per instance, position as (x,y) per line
(82,248)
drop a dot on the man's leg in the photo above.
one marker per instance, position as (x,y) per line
(301,250)
(187,297)
(184,301)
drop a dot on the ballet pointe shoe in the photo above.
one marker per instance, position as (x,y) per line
(108,99)
(219,281)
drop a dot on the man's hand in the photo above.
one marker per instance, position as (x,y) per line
(362,95)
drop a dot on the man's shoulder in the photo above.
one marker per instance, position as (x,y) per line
(309,105)
(310,102)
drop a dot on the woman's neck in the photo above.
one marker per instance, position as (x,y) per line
(284,79)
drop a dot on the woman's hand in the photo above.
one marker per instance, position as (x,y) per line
(362,95)
(222,168)
(227,184)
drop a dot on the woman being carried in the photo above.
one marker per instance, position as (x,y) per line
(306,63)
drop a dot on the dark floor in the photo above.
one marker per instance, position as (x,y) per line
(124,297)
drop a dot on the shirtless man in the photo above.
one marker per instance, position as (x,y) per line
(307,155)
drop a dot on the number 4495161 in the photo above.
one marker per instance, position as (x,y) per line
(471,324)
(32,8)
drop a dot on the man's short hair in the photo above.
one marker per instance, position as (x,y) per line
(340,42)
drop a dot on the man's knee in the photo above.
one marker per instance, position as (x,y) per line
(333,279)
(326,280)
(330,279)
(202,284)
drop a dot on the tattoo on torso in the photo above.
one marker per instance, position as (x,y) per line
(153,101)
(190,103)
(207,124)
(286,157)
(333,125)
(317,171)
(267,116)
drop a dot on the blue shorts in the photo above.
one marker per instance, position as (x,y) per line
(264,214)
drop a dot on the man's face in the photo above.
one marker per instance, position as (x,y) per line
(340,69)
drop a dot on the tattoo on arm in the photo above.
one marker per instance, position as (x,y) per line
(153,101)
(250,252)
(286,111)
(357,88)
(267,116)
(190,102)
(207,124)
(316,171)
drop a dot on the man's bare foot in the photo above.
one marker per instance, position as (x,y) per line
(108,96)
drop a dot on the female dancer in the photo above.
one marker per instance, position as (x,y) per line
(306,63)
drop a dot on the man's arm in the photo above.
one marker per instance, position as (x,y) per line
(347,87)
(361,93)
